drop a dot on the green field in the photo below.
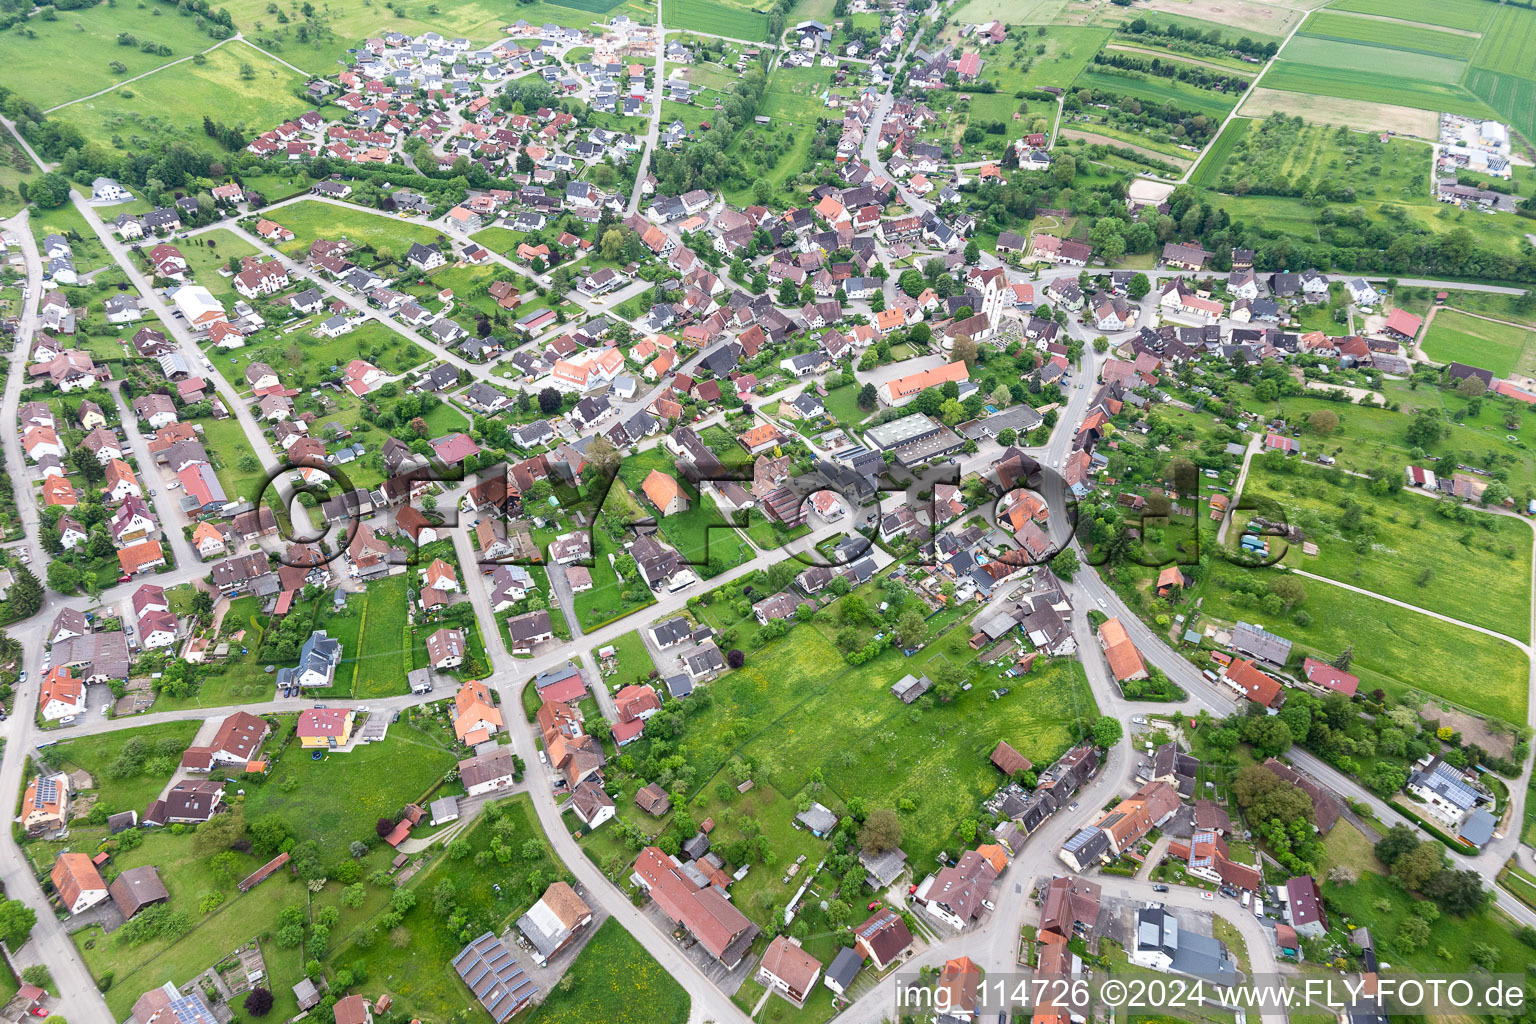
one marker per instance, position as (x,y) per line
(1373,58)
(1389,34)
(1478,572)
(634,660)
(1467,339)
(1509,44)
(58,61)
(309,220)
(1358,83)
(1468,15)
(489,895)
(716,18)
(1159,91)
(617,982)
(1273,155)
(339,798)
(385,644)
(1513,97)
(1395,649)
(173,102)
(797,707)
(127,784)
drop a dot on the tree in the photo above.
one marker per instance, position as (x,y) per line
(1418,865)
(734,658)
(948,678)
(1107,731)
(549,401)
(1269,736)
(972,253)
(1426,429)
(1323,422)
(964,350)
(1457,892)
(16,921)
(1065,564)
(602,457)
(383,827)
(868,397)
(881,831)
(1139,286)
(1412,934)
(258,1002)
(910,627)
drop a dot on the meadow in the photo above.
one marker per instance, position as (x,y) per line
(1395,649)
(172,102)
(340,797)
(1468,339)
(796,707)
(1466,15)
(1013,12)
(716,17)
(1158,91)
(1390,35)
(62,60)
(1373,86)
(615,981)
(415,957)
(1477,571)
(309,220)
(1332,110)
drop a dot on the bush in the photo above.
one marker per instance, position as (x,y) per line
(258,1002)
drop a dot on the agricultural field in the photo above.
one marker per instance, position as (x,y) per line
(1013,12)
(63,60)
(1158,91)
(1403,547)
(180,96)
(1512,96)
(729,18)
(1422,67)
(1509,43)
(1332,110)
(1500,347)
(647,994)
(1465,15)
(1275,156)
(1389,34)
(1372,86)
(1260,21)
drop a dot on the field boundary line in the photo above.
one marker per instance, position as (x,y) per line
(152,71)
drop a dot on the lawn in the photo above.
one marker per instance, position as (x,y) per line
(633,658)
(1478,571)
(1467,15)
(226,443)
(339,798)
(797,707)
(721,18)
(172,102)
(610,597)
(310,220)
(127,784)
(385,648)
(209,253)
(1467,339)
(843,404)
(414,959)
(52,62)
(615,981)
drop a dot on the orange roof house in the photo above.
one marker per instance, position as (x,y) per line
(58,491)
(1247,679)
(475,715)
(902,389)
(137,557)
(760,438)
(1124,660)
(663,492)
